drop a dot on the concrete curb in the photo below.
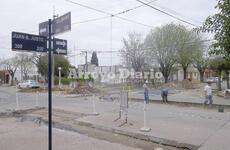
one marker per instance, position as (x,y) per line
(18,113)
(40,121)
(216,106)
(77,95)
(140,136)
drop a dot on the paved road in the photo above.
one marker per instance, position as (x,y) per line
(203,127)
(16,135)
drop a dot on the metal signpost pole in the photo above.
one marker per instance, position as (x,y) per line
(50,89)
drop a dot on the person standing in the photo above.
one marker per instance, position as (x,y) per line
(146,92)
(208,94)
(164,95)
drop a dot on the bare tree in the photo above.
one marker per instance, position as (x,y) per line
(26,64)
(133,53)
(11,65)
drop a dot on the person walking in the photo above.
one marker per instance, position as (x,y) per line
(208,94)
(146,92)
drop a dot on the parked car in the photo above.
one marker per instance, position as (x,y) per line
(29,84)
(213,79)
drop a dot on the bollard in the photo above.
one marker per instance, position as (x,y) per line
(145,128)
(94,106)
(221,109)
(37,95)
(16,94)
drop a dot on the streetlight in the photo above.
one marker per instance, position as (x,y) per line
(59,73)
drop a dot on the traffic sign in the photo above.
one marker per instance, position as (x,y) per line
(28,42)
(44,29)
(62,23)
(60,46)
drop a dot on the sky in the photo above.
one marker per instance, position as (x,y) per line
(100,35)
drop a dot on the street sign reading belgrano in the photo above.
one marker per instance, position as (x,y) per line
(62,23)
(28,42)
(60,46)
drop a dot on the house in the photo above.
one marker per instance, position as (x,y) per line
(5,77)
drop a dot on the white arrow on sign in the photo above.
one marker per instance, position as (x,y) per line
(60,51)
(62,43)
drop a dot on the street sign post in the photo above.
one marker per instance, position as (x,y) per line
(47,29)
(28,42)
(60,46)
(49,89)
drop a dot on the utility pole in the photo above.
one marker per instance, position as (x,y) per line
(53,58)
(111,40)
(86,63)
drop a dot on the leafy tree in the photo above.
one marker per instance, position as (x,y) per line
(218,65)
(41,61)
(61,61)
(94,59)
(163,44)
(133,53)
(219,24)
(189,43)
(201,62)
(226,68)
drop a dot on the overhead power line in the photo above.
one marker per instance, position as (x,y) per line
(175,17)
(110,14)
(101,18)
(177,13)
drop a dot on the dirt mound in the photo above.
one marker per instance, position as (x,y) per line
(184,84)
(31,90)
(84,90)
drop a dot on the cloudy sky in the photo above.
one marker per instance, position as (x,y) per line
(25,15)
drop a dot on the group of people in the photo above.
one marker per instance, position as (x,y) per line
(164,94)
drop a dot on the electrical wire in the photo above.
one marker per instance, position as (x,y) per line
(107,13)
(176,13)
(166,13)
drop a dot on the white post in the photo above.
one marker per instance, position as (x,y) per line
(145,129)
(37,94)
(59,74)
(16,94)
(94,106)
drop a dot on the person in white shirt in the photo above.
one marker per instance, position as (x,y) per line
(208,94)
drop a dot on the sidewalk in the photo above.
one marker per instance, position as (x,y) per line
(193,97)
(179,130)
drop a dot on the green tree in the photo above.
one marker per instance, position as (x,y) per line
(200,62)
(94,59)
(219,24)
(189,44)
(41,61)
(61,61)
(226,68)
(171,44)
(217,64)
